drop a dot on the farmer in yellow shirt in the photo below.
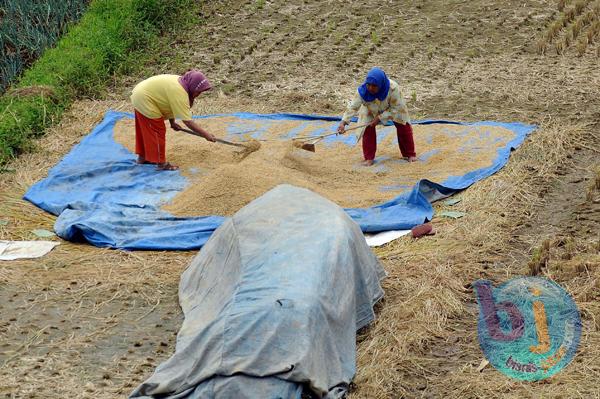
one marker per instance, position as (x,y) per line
(378,99)
(165,97)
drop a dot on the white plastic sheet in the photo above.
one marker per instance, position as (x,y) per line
(12,250)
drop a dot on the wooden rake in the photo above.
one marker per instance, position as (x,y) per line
(217,139)
(307,143)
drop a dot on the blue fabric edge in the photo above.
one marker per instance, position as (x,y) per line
(421,193)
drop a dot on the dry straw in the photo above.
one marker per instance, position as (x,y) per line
(424,343)
(562,4)
(428,321)
(572,21)
(593,31)
(582,45)
(425,335)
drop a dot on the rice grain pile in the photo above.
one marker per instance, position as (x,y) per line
(222,180)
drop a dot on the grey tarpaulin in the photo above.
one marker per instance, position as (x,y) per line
(272,303)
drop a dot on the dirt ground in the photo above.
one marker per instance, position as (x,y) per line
(93,323)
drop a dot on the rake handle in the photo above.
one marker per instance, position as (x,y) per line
(216,139)
(357,127)
(322,136)
(229,143)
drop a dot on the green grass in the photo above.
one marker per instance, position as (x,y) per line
(375,39)
(27,28)
(110,39)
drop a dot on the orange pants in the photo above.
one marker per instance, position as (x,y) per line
(150,138)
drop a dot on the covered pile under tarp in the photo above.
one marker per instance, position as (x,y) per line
(272,304)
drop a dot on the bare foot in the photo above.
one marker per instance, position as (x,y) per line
(166,166)
(368,162)
(411,159)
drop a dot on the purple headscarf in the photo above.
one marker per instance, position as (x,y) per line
(194,82)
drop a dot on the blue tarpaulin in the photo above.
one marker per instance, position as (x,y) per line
(102,196)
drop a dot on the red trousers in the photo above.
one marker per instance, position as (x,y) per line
(150,138)
(405,141)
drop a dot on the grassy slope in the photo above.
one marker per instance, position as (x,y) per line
(109,39)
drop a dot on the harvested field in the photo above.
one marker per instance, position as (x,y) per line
(574,29)
(91,323)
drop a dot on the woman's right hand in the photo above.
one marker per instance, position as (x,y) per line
(341,128)
(210,137)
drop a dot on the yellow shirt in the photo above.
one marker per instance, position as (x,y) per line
(393,107)
(162,96)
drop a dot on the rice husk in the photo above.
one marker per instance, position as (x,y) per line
(222,180)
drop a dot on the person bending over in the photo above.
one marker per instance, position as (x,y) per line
(377,100)
(163,97)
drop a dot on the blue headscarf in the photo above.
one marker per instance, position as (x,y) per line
(377,77)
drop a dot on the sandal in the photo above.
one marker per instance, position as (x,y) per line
(166,166)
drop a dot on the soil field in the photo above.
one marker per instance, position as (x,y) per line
(93,323)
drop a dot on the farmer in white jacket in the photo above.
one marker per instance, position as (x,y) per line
(378,99)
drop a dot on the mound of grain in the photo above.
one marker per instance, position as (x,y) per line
(222,180)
